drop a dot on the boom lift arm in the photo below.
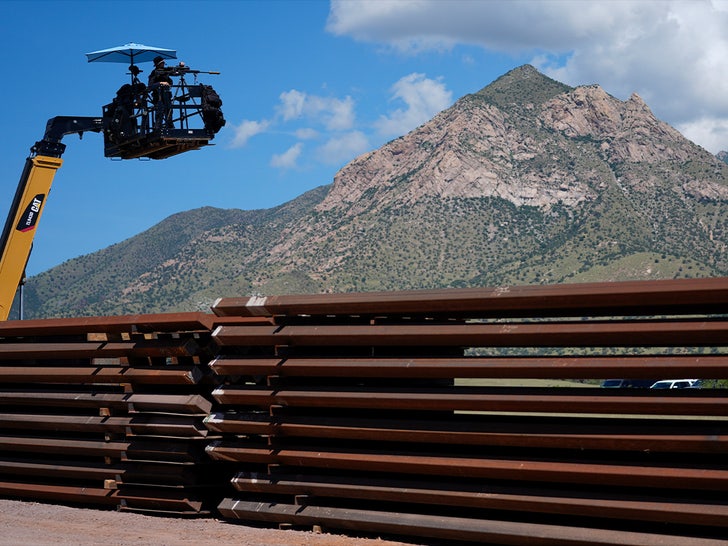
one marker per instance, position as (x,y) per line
(140,122)
(30,197)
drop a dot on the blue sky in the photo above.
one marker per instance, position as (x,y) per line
(308,85)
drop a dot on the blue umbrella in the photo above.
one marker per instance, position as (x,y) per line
(130,53)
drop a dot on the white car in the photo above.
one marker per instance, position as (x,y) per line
(674,384)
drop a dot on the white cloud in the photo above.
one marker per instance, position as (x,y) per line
(505,25)
(423,98)
(288,159)
(246,130)
(331,112)
(291,106)
(711,133)
(333,116)
(339,112)
(671,52)
(342,148)
(306,133)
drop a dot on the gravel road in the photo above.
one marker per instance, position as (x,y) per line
(36,524)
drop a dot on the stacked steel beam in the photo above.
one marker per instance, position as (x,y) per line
(415,413)
(108,411)
(408,413)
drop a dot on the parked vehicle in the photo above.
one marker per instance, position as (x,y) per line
(627,383)
(675,384)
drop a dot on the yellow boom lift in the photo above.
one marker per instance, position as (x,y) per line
(140,122)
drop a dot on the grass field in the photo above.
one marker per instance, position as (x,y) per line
(522,383)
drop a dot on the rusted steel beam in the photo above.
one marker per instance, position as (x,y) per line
(143,499)
(173,348)
(69,470)
(475,399)
(163,347)
(163,450)
(158,450)
(223,423)
(160,473)
(584,367)
(166,322)
(518,470)
(487,497)
(690,438)
(177,500)
(73,494)
(549,334)
(148,474)
(176,403)
(177,474)
(138,425)
(161,322)
(13,351)
(483,531)
(177,375)
(64,447)
(183,403)
(683,296)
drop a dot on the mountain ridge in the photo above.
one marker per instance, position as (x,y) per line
(527,180)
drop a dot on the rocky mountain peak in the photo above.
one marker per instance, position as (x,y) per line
(626,131)
(526,181)
(506,141)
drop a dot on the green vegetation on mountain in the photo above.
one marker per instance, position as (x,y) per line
(526,181)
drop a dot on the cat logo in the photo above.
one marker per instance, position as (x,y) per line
(30,216)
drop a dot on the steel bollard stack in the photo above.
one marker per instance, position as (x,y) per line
(476,414)
(108,411)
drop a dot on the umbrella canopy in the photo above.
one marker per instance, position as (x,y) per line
(130,54)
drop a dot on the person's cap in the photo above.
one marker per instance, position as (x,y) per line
(158,60)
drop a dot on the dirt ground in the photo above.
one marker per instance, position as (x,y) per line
(36,524)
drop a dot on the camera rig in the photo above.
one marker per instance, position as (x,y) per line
(159,121)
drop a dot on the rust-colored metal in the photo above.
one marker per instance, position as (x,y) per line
(144,450)
(573,503)
(189,404)
(680,296)
(451,528)
(477,399)
(178,375)
(150,499)
(170,500)
(86,471)
(93,472)
(167,322)
(116,402)
(519,470)
(161,322)
(64,447)
(363,400)
(72,494)
(140,425)
(651,437)
(544,367)
(57,351)
(547,334)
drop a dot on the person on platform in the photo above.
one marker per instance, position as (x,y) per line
(160,83)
